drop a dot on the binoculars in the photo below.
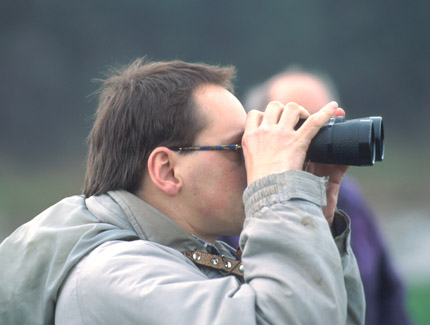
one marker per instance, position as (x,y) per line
(356,142)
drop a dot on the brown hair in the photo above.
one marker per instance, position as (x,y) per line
(141,107)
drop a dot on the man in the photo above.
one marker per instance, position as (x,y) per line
(385,297)
(165,178)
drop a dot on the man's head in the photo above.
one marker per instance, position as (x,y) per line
(202,190)
(148,109)
(308,89)
(140,108)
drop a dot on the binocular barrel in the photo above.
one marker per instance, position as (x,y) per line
(357,142)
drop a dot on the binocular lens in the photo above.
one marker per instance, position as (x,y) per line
(378,129)
(357,142)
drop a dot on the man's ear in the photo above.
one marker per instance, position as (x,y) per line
(161,170)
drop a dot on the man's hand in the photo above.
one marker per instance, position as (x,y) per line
(335,174)
(271,144)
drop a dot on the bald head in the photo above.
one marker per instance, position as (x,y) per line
(305,89)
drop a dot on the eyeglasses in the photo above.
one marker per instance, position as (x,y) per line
(234,147)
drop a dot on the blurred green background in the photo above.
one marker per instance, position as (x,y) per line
(377,52)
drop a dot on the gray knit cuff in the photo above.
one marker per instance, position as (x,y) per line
(277,188)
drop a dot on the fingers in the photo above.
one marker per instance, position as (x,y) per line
(314,123)
(277,113)
(325,113)
(339,112)
(291,115)
(253,119)
(287,116)
(272,114)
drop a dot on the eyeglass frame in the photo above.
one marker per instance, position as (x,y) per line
(231,147)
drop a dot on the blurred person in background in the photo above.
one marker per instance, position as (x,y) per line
(384,290)
(174,162)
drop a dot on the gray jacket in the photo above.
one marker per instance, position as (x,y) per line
(114,259)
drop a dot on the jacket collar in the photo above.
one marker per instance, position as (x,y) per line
(150,224)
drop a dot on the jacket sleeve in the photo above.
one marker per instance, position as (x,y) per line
(341,229)
(294,273)
(309,278)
